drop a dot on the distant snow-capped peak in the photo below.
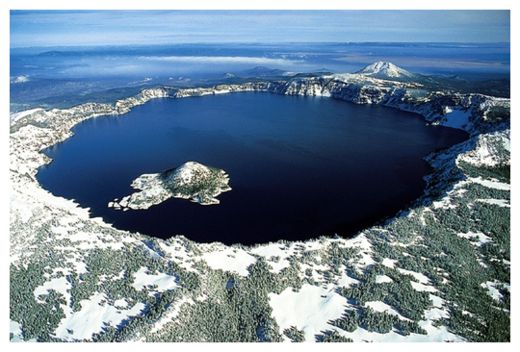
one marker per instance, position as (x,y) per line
(383,69)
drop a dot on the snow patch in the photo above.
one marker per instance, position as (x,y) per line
(163,281)
(59,284)
(310,309)
(362,243)
(383,279)
(503,203)
(417,286)
(423,279)
(495,184)
(229,259)
(477,237)
(20,79)
(389,263)
(492,289)
(18,115)
(275,254)
(347,281)
(120,303)
(382,307)
(434,334)
(94,315)
(15,331)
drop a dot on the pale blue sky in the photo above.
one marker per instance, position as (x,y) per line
(72,28)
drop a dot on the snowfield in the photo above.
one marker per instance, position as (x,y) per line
(381,279)
(276,255)
(504,203)
(163,282)
(229,259)
(309,309)
(492,289)
(94,315)
(476,237)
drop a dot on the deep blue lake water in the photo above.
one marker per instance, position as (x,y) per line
(299,167)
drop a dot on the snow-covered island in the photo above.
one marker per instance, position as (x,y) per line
(192,180)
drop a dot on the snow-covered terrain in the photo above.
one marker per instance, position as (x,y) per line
(20,79)
(438,271)
(309,309)
(385,70)
(231,259)
(162,281)
(191,180)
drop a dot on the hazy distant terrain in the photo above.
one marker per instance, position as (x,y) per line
(62,77)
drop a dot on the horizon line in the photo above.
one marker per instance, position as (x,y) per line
(257,43)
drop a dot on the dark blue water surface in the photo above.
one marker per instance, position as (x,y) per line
(299,167)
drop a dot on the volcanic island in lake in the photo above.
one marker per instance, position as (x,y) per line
(192,180)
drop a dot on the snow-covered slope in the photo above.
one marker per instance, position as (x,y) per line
(386,70)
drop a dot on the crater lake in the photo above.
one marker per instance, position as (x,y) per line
(299,167)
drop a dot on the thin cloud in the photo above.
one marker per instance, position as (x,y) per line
(222,60)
